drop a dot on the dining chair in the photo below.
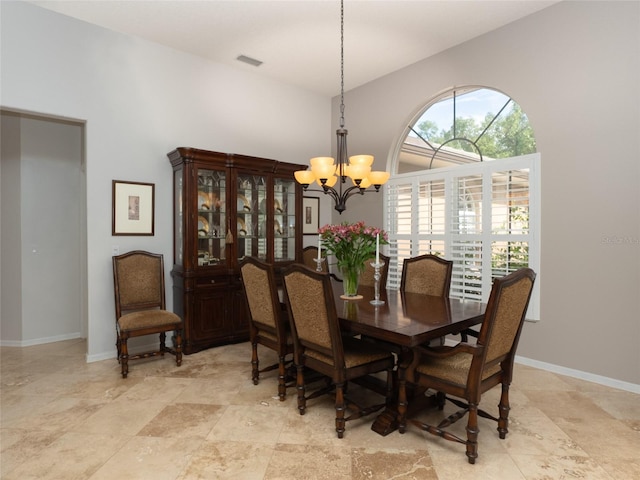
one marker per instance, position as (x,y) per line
(320,346)
(268,324)
(367,277)
(309,255)
(138,278)
(427,274)
(467,371)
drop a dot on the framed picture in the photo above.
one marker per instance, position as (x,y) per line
(310,215)
(133,208)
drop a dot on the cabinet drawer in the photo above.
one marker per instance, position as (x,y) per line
(212,282)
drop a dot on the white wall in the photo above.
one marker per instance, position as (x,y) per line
(575,70)
(141,100)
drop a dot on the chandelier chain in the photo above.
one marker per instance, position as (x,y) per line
(342,64)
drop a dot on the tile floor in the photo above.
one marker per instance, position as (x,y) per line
(62,418)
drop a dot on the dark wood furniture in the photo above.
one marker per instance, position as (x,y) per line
(427,274)
(406,320)
(138,279)
(320,346)
(467,371)
(226,207)
(309,255)
(268,322)
(367,277)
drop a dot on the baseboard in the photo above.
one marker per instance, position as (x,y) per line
(40,341)
(570,372)
(98,357)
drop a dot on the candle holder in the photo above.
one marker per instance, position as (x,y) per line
(376,276)
(319,263)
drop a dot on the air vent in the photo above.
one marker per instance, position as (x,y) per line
(249,60)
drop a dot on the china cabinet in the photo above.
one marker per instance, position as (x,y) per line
(226,207)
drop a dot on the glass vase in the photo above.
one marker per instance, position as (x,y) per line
(350,278)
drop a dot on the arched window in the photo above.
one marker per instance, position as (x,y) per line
(466,187)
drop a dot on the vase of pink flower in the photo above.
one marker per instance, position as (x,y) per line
(352,244)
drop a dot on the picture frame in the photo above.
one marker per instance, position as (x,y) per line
(310,215)
(132,208)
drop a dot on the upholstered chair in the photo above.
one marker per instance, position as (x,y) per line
(367,279)
(319,345)
(466,371)
(427,274)
(268,325)
(138,278)
(309,255)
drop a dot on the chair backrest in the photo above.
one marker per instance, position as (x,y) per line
(312,312)
(138,279)
(506,310)
(260,291)
(366,278)
(309,255)
(427,274)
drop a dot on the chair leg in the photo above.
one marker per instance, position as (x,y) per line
(503,408)
(302,401)
(441,399)
(123,355)
(163,343)
(340,407)
(118,345)
(282,387)
(472,433)
(255,369)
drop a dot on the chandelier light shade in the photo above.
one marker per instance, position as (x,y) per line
(331,175)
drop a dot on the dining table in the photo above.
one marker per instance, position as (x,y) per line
(405,320)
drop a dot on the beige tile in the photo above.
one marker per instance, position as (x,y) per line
(309,462)
(383,464)
(55,414)
(527,378)
(228,460)
(454,466)
(72,455)
(566,404)
(262,424)
(156,389)
(151,458)
(64,418)
(621,467)
(619,404)
(539,436)
(120,417)
(183,420)
(19,446)
(603,438)
(544,467)
(220,390)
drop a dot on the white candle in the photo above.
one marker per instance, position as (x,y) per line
(377,248)
(319,247)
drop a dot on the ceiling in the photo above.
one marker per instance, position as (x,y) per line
(298,41)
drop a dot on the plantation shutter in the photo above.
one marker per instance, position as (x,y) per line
(484,216)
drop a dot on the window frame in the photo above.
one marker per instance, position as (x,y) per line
(402,245)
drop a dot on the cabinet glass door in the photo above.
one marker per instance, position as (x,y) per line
(212,214)
(284,220)
(251,218)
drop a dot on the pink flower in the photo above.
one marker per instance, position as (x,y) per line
(351,244)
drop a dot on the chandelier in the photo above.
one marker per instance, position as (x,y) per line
(326,173)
